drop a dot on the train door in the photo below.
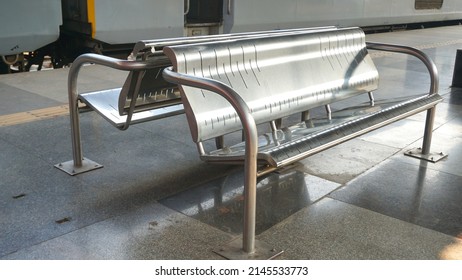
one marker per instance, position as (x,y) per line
(203,17)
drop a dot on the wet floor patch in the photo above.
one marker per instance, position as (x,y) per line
(220,203)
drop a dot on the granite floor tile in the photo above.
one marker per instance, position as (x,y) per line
(455,96)
(346,161)
(334,230)
(398,135)
(150,232)
(35,195)
(447,139)
(91,78)
(415,194)
(15,100)
(139,157)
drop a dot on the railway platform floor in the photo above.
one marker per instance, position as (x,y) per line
(155,199)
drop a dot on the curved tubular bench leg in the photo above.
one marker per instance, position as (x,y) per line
(251,248)
(423,152)
(79,164)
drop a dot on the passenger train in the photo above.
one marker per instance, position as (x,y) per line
(64,29)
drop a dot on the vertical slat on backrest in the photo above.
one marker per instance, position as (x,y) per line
(151,88)
(276,76)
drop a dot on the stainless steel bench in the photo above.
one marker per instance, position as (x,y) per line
(144,96)
(230,85)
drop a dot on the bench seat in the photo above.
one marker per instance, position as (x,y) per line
(105,103)
(298,141)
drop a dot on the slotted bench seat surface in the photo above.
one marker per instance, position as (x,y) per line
(298,141)
(105,102)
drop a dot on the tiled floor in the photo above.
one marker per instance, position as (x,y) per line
(155,199)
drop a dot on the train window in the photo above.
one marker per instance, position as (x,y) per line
(428,4)
(205,11)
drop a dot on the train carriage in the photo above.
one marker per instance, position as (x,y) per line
(64,29)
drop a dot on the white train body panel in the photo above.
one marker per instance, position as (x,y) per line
(247,15)
(28,25)
(121,21)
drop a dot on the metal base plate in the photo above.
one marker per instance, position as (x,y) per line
(432,157)
(233,251)
(69,168)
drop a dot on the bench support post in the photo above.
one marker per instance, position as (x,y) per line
(424,152)
(79,164)
(428,131)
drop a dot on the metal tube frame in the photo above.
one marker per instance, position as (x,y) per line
(79,164)
(434,81)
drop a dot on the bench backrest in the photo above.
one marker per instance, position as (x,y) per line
(146,90)
(276,76)
(149,88)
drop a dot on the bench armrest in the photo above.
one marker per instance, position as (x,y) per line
(251,142)
(119,64)
(114,63)
(433,71)
(431,67)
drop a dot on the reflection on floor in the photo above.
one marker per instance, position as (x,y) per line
(220,202)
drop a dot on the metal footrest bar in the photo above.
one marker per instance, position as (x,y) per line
(431,157)
(71,169)
(233,251)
